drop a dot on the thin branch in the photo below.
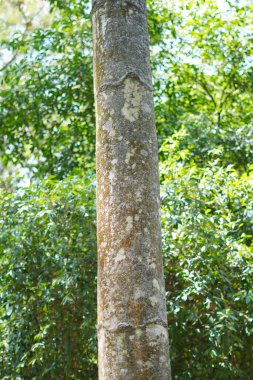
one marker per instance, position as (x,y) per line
(10,61)
(28,23)
(208,92)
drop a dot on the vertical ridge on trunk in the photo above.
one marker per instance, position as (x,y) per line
(132,327)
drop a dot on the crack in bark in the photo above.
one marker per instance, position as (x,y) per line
(118,83)
(129,326)
(97,4)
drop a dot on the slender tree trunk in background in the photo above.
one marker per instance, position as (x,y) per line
(132,327)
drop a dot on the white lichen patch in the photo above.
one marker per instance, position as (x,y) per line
(121,338)
(149,364)
(139,294)
(129,154)
(156,284)
(138,196)
(108,126)
(103,24)
(104,97)
(111,176)
(138,333)
(120,255)
(136,218)
(153,300)
(163,359)
(146,108)
(144,153)
(114,161)
(101,349)
(129,225)
(132,96)
(156,332)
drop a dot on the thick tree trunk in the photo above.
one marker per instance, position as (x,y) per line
(132,327)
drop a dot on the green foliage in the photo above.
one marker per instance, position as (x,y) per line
(208,245)
(204,83)
(47,105)
(48,281)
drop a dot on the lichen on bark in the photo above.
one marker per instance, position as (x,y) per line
(132,328)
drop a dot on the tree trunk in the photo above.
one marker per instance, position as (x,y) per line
(132,327)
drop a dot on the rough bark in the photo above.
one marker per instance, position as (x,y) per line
(132,327)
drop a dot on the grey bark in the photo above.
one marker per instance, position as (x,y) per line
(132,323)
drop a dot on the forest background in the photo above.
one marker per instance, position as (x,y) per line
(202,62)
